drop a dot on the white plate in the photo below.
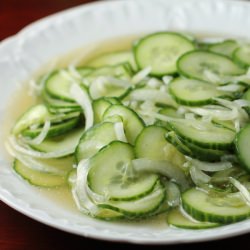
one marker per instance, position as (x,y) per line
(23,54)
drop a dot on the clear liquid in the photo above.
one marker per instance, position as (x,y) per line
(23,99)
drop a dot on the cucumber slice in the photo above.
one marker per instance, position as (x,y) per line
(120,71)
(176,218)
(57,103)
(38,178)
(109,174)
(204,135)
(140,207)
(151,144)
(108,88)
(59,83)
(226,47)
(132,123)
(54,130)
(193,150)
(195,64)
(192,92)
(242,55)
(246,96)
(35,115)
(160,51)
(63,143)
(101,105)
(242,146)
(113,58)
(94,139)
(84,70)
(203,207)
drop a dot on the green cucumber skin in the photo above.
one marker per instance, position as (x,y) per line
(195,151)
(244,164)
(187,102)
(181,72)
(62,179)
(55,130)
(140,214)
(135,48)
(190,225)
(208,216)
(215,146)
(131,198)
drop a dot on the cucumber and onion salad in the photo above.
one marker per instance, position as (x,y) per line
(162,127)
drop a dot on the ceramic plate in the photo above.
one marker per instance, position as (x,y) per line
(25,53)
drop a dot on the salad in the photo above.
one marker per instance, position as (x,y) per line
(163,127)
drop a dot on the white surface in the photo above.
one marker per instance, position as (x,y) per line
(23,54)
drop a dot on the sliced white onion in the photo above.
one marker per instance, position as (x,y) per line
(198,177)
(42,135)
(16,145)
(164,168)
(216,112)
(167,79)
(154,83)
(83,201)
(82,98)
(212,77)
(242,103)
(137,78)
(74,72)
(119,131)
(229,87)
(211,167)
(243,190)
(154,95)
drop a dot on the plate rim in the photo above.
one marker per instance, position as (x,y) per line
(3,197)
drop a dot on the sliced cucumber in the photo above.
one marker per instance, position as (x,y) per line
(121,71)
(108,87)
(84,71)
(193,150)
(226,47)
(38,178)
(113,58)
(94,139)
(242,55)
(160,51)
(151,144)
(132,123)
(203,207)
(177,219)
(35,115)
(63,143)
(242,146)
(59,83)
(204,135)
(196,64)
(140,207)
(57,103)
(54,130)
(193,92)
(101,105)
(110,174)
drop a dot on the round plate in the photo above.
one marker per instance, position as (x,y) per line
(23,54)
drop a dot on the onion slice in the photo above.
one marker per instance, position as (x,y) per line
(82,98)
(243,190)
(164,168)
